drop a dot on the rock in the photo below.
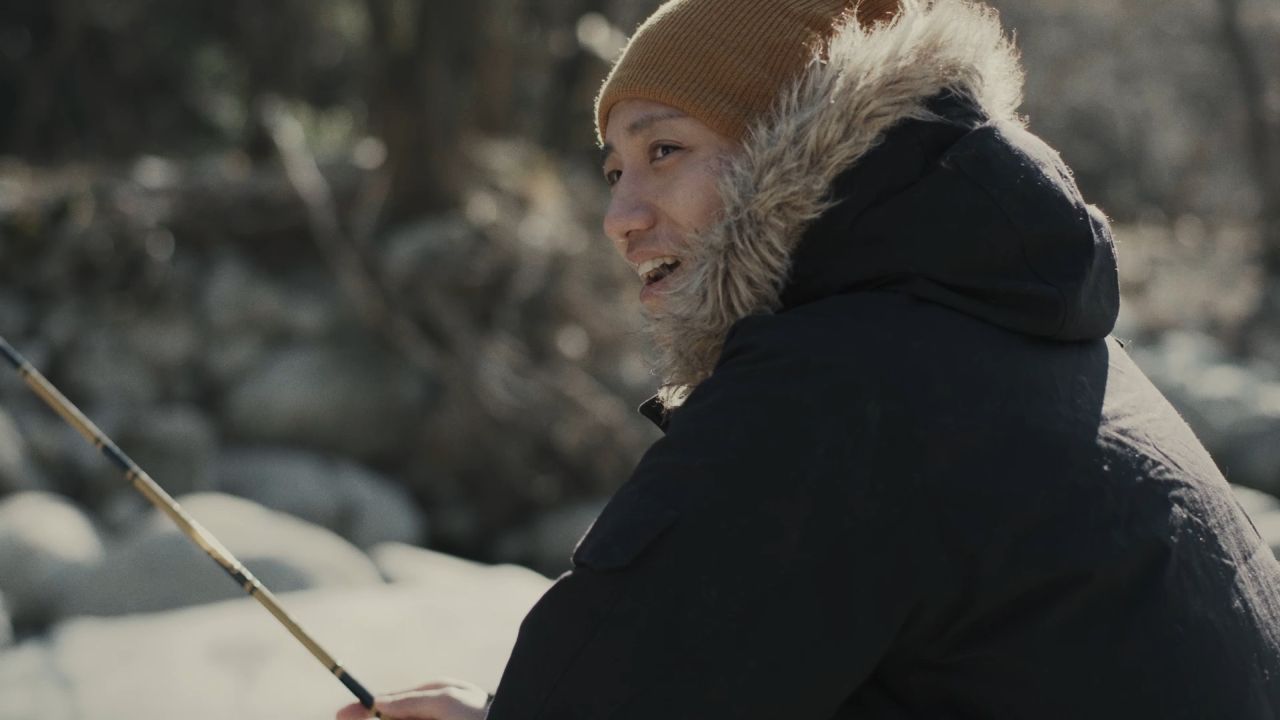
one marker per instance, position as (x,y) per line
(157,568)
(350,402)
(377,510)
(547,542)
(167,340)
(401,563)
(291,481)
(175,444)
(1255,502)
(1233,409)
(227,361)
(426,247)
(12,386)
(15,313)
(353,501)
(172,344)
(238,300)
(232,660)
(17,472)
(32,687)
(76,467)
(103,372)
(1268,525)
(47,547)
(6,624)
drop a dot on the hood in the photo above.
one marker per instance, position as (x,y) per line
(896,161)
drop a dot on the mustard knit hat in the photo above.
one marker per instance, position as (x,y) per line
(724,62)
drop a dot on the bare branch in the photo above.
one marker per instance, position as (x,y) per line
(326,231)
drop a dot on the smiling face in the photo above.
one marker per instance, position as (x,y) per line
(662,167)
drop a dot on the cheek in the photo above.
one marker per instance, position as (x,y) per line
(700,199)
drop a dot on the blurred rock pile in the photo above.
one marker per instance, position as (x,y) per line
(1201,319)
(186,309)
(436,617)
(465,382)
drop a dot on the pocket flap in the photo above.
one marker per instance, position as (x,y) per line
(628,524)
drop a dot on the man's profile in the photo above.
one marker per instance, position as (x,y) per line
(906,471)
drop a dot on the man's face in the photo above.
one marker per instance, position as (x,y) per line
(662,168)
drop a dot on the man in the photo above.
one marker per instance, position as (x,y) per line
(911,476)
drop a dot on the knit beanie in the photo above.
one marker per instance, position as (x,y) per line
(724,62)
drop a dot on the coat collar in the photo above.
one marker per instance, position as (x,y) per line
(864,82)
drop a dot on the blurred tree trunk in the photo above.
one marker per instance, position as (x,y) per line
(562,129)
(40,118)
(496,75)
(1263,129)
(422,64)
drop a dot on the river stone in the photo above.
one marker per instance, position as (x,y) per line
(1233,409)
(353,403)
(401,563)
(47,547)
(1255,502)
(547,543)
(103,372)
(169,341)
(15,313)
(232,660)
(6,624)
(353,501)
(31,685)
(1268,525)
(17,472)
(239,299)
(175,444)
(156,568)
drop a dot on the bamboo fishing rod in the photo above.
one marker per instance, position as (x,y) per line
(157,496)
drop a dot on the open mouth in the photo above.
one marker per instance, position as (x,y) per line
(657,269)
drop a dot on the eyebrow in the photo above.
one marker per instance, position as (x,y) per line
(644,122)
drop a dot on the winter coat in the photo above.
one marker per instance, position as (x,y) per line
(915,478)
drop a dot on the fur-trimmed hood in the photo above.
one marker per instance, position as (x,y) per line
(856,180)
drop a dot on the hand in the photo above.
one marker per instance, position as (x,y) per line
(440,700)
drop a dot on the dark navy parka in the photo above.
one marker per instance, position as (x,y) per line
(930,486)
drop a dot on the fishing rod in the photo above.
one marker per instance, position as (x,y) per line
(195,532)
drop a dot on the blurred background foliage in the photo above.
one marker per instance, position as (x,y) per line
(365,233)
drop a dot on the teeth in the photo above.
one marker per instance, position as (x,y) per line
(649,266)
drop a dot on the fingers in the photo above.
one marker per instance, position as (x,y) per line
(354,711)
(440,700)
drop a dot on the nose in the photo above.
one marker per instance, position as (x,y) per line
(630,212)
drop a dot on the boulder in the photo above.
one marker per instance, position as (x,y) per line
(47,547)
(232,660)
(75,467)
(353,501)
(17,471)
(1234,409)
(157,568)
(32,687)
(345,401)
(1255,502)
(15,313)
(6,624)
(376,510)
(168,341)
(175,444)
(401,563)
(104,373)
(547,543)
(1268,525)
(240,300)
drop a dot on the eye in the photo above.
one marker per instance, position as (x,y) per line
(612,177)
(661,150)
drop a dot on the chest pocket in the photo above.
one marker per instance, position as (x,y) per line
(629,524)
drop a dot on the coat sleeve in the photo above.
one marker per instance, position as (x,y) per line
(754,566)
